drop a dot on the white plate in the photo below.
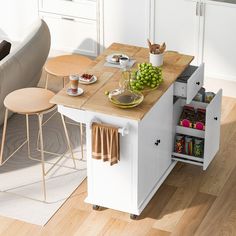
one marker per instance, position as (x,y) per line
(109,58)
(93,80)
(79,92)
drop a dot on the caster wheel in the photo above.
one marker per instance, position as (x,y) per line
(95,207)
(133,217)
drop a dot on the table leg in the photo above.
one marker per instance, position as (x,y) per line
(68,139)
(81,140)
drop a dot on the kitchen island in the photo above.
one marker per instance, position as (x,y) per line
(148,130)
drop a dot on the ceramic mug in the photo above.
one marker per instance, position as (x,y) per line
(124,61)
(156,59)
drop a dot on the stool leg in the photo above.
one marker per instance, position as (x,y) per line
(64,81)
(81,140)
(68,140)
(28,138)
(46,84)
(40,118)
(3,137)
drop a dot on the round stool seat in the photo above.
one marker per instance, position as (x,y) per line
(63,66)
(29,100)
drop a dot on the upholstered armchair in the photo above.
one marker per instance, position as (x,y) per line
(23,66)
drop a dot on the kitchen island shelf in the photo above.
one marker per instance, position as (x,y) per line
(187,160)
(192,158)
(190,131)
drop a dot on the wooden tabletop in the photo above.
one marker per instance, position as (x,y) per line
(94,98)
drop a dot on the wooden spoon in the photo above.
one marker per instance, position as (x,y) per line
(162,48)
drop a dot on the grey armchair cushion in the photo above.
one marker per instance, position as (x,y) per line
(23,66)
(5,48)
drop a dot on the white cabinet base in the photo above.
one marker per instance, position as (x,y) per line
(130,184)
(146,152)
(136,210)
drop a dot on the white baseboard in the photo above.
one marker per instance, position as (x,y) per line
(213,84)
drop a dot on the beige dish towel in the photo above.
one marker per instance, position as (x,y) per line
(105,143)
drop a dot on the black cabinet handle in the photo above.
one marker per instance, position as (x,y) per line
(215,118)
(157,142)
(197,83)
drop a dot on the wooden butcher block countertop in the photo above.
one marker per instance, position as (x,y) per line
(94,98)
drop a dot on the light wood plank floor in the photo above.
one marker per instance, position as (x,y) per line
(190,202)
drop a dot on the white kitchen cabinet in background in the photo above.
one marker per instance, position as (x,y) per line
(219,50)
(205,29)
(74,25)
(72,34)
(177,24)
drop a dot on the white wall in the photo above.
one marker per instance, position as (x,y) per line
(15,16)
(125,21)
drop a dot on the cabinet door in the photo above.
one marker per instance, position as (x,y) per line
(177,24)
(71,34)
(155,144)
(212,132)
(76,8)
(219,40)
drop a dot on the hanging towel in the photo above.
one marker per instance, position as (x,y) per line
(105,143)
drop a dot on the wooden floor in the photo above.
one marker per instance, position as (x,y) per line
(190,202)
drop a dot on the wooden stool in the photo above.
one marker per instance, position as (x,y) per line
(63,67)
(66,65)
(32,101)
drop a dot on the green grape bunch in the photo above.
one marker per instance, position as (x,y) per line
(146,77)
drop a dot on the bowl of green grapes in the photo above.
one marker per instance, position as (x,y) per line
(146,78)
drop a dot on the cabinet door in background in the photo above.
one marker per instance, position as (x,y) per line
(177,24)
(219,41)
(125,22)
(72,34)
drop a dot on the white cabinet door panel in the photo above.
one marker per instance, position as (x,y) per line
(155,144)
(72,34)
(176,24)
(219,41)
(212,132)
(112,186)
